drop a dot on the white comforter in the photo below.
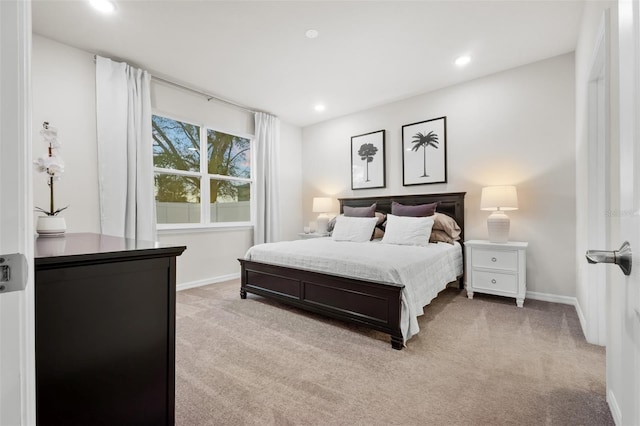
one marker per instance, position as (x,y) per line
(424,271)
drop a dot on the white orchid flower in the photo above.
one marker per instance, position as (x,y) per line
(52,164)
(40,165)
(55,166)
(49,132)
(50,135)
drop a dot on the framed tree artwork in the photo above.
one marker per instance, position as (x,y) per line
(367,161)
(424,152)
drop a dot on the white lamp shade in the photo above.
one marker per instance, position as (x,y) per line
(322,204)
(499,198)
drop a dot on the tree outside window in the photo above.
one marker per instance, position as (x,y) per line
(180,173)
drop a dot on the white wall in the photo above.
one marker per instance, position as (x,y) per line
(515,127)
(64,95)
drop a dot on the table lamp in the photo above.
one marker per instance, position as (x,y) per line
(322,205)
(498,199)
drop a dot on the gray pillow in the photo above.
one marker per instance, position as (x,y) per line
(331,224)
(360,211)
(420,210)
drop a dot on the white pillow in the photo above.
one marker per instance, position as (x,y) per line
(408,231)
(356,229)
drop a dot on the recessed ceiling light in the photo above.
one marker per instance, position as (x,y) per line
(319,107)
(104,6)
(463,60)
(312,33)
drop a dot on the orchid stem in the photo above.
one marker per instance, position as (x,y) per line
(51,192)
(51,183)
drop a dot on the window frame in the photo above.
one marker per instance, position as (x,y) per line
(205,196)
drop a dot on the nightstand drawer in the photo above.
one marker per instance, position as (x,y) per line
(495,259)
(495,281)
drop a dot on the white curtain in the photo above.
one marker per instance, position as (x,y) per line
(125,151)
(267,142)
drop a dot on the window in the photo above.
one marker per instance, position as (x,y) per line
(202,175)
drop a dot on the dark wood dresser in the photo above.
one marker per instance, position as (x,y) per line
(105,331)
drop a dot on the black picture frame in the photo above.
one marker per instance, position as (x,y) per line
(420,138)
(368,163)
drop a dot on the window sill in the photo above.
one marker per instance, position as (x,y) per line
(167,229)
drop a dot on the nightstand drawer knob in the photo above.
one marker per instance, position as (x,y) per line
(493,281)
(493,259)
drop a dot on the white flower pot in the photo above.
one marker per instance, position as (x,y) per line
(51,226)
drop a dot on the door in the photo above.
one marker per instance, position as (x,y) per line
(623,293)
(17,355)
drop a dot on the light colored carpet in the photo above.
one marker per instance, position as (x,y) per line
(481,361)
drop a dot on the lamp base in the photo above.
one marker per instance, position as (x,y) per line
(498,227)
(322,224)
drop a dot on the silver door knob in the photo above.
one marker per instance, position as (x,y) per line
(621,257)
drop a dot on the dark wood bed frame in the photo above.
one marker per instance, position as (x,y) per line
(373,304)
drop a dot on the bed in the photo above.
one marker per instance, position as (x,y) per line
(351,294)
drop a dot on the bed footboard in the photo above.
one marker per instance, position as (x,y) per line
(374,304)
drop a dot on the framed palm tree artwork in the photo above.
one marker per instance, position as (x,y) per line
(367,161)
(424,152)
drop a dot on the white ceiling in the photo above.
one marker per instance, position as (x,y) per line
(367,54)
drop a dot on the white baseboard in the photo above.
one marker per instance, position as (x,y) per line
(207,281)
(566,300)
(582,318)
(546,297)
(614,408)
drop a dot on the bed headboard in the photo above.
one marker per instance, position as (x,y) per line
(451,203)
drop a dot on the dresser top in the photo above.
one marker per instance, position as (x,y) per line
(88,247)
(487,243)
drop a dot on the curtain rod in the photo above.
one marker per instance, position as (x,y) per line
(209,96)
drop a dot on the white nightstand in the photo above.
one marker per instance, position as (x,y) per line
(497,268)
(304,236)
